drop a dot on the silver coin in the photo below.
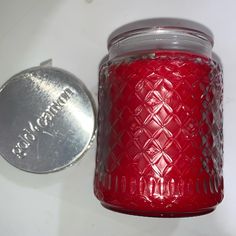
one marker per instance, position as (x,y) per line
(47,119)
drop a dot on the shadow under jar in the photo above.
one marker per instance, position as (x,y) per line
(160,136)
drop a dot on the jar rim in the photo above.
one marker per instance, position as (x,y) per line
(160,25)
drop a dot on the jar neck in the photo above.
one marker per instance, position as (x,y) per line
(177,39)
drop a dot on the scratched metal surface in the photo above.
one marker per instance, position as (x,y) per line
(47,119)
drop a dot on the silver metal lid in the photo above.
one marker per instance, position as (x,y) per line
(47,119)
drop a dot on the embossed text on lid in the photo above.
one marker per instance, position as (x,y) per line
(47,119)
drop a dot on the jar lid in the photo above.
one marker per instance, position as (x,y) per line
(47,121)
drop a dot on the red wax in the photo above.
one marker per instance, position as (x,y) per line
(160,135)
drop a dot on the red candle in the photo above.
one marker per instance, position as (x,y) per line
(160,134)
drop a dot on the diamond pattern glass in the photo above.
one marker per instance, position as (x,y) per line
(160,135)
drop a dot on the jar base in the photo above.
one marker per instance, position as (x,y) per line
(159,213)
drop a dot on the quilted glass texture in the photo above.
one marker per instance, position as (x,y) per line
(160,135)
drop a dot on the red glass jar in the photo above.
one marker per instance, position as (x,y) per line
(160,136)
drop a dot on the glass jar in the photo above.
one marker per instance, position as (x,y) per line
(160,126)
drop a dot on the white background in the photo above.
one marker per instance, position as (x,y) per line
(73,33)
